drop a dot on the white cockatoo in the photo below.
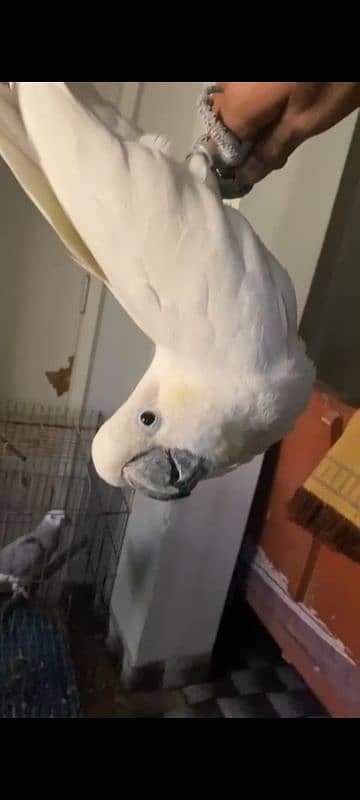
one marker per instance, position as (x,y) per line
(230,375)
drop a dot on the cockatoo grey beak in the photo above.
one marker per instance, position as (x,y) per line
(165,474)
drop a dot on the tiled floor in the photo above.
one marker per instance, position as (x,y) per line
(249,679)
(257,684)
(261,689)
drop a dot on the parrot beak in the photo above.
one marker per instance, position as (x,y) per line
(61,517)
(165,474)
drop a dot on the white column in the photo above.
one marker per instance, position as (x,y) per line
(176,568)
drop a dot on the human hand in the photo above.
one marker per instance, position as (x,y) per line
(278,117)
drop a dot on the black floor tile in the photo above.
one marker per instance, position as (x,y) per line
(208,710)
(251,707)
(296,705)
(257,681)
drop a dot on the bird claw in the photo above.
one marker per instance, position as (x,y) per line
(230,188)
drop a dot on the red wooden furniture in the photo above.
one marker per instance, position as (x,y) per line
(307,596)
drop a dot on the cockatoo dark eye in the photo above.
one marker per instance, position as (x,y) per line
(148,419)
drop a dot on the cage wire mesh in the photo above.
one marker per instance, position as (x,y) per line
(45,464)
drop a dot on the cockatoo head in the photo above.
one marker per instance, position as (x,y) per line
(170,434)
(188,421)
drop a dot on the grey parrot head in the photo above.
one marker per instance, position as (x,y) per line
(56,519)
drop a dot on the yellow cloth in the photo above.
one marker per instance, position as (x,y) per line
(336,481)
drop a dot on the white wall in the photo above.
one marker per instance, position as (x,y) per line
(170,108)
(331,323)
(292,208)
(40,299)
(121,357)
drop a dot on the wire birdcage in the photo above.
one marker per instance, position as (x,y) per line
(45,464)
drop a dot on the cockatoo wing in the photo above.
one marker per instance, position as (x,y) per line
(190,272)
(21,157)
(160,235)
(265,311)
(20,558)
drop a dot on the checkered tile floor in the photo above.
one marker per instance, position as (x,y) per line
(263,693)
(260,685)
(248,679)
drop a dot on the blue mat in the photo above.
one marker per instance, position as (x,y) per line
(37,678)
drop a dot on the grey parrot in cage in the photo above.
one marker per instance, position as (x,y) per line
(26,559)
(230,374)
